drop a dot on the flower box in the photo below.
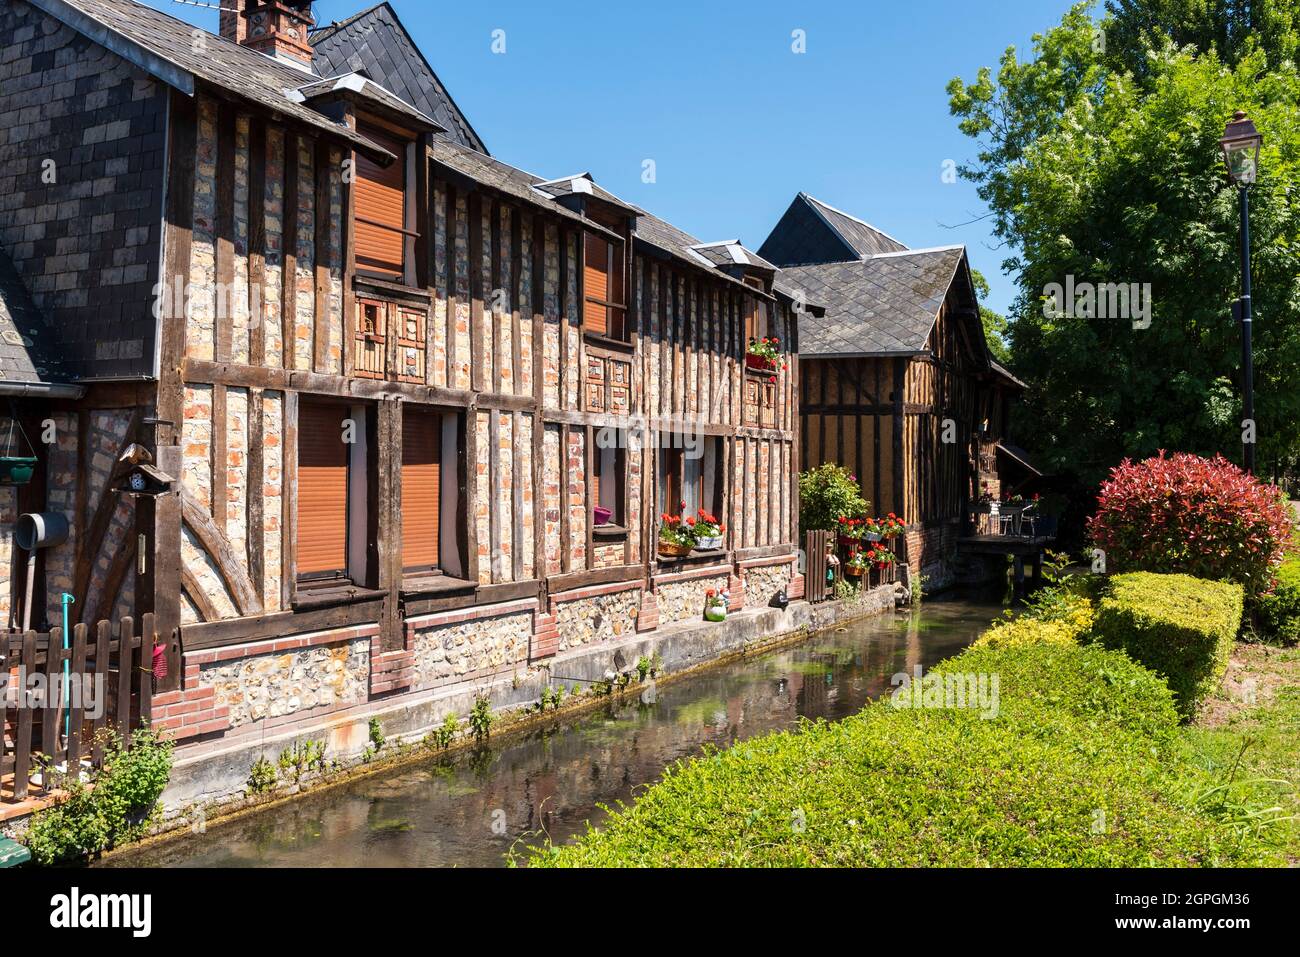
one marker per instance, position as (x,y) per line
(710,543)
(673,550)
(762,363)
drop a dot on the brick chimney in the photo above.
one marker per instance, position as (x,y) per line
(277,28)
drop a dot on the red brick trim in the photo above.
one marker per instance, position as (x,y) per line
(189,714)
(471,614)
(271,646)
(647,616)
(546,637)
(595,591)
(391,670)
(712,571)
(767,562)
(736,588)
(796,589)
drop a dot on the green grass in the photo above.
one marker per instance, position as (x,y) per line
(1083,766)
(1256,746)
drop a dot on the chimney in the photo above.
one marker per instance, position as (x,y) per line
(278,28)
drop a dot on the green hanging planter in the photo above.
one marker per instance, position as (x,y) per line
(17,469)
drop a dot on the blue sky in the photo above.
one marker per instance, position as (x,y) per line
(735,122)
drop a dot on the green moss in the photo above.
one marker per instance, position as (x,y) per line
(1182,628)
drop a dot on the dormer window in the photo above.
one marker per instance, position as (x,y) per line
(385,233)
(604,306)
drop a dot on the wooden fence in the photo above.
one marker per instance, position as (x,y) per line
(110,685)
(816,545)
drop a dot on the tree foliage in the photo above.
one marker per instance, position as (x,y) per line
(1099,160)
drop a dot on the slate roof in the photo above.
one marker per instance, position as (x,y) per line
(865,239)
(882,305)
(28,353)
(522,185)
(583,184)
(376,41)
(164,46)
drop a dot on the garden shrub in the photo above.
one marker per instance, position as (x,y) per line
(1276,615)
(1181,627)
(1070,620)
(827,494)
(114,811)
(1192,515)
(1078,768)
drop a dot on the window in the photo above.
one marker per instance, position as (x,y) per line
(604,311)
(422,436)
(755,319)
(381,207)
(609,468)
(692,473)
(324,472)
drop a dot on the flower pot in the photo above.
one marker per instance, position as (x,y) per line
(673,550)
(852,572)
(710,543)
(760,362)
(873,536)
(16,469)
(715,613)
(601,515)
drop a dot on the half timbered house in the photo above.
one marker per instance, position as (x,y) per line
(896,381)
(414,413)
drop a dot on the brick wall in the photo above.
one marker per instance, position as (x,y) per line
(81,181)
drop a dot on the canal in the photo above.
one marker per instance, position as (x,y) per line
(470,809)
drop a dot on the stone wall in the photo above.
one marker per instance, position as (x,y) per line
(276,685)
(684,600)
(609,617)
(468,646)
(764,581)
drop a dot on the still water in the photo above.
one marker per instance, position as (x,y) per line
(471,809)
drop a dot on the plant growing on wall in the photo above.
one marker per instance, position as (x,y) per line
(376,734)
(262,776)
(827,494)
(481,718)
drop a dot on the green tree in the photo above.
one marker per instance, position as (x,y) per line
(1091,174)
(1229,28)
(995,324)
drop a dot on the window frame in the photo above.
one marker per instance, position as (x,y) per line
(616,254)
(617,476)
(360,464)
(382,132)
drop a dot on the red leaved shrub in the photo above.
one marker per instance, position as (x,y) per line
(1184,513)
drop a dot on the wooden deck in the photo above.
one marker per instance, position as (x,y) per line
(1005,544)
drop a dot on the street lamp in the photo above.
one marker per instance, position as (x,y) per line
(1241,144)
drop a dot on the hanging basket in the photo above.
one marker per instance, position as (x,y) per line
(17,469)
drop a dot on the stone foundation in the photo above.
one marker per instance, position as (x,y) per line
(276,685)
(762,582)
(683,600)
(452,647)
(596,618)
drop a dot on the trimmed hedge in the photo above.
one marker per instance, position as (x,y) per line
(1181,627)
(1078,768)
(1072,619)
(1277,614)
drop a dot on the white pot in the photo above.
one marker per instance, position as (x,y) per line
(709,544)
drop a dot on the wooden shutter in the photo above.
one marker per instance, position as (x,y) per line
(595,285)
(381,208)
(421,488)
(322,489)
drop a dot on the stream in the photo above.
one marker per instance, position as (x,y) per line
(470,809)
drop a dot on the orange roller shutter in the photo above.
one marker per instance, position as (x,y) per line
(595,285)
(421,488)
(322,489)
(381,207)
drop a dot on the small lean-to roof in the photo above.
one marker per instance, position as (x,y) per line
(884,305)
(362,89)
(166,48)
(29,355)
(1003,372)
(731,252)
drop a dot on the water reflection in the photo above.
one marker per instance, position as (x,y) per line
(470,810)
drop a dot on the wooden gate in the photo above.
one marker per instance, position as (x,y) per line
(110,685)
(816,545)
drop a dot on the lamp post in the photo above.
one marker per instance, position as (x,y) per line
(1241,144)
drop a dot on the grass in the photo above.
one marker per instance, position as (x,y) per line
(1249,733)
(1083,766)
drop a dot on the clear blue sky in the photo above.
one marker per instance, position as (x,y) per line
(735,121)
